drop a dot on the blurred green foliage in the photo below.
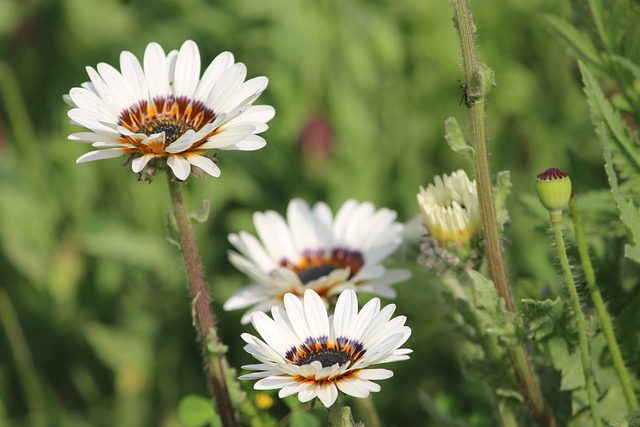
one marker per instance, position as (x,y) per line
(102,333)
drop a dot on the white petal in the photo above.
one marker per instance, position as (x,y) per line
(187,72)
(87,100)
(316,314)
(139,163)
(354,387)
(271,383)
(257,115)
(118,85)
(229,136)
(181,144)
(226,86)
(246,93)
(132,72)
(250,143)
(245,297)
(87,137)
(295,311)
(206,164)
(274,233)
(180,167)
(327,394)
(212,74)
(156,71)
(345,314)
(109,153)
(375,374)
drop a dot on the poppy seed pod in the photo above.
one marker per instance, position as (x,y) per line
(554,191)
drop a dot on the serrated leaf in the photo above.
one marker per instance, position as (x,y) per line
(455,138)
(626,147)
(627,210)
(543,317)
(574,40)
(197,411)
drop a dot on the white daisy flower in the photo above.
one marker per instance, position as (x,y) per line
(450,209)
(304,351)
(164,110)
(312,250)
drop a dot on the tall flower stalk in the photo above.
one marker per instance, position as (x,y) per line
(163,115)
(478,80)
(203,319)
(601,310)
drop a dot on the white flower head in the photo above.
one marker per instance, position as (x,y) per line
(163,109)
(314,250)
(450,209)
(304,351)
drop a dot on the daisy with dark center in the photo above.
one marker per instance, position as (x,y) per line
(314,250)
(304,351)
(162,112)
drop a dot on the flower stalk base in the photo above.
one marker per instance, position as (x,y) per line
(200,309)
(479,79)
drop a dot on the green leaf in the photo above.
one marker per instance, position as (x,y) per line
(456,140)
(543,317)
(574,40)
(627,210)
(197,411)
(625,147)
(202,214)
(491,310)
(567,362)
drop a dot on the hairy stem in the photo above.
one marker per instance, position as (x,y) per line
(478,82)
(200,310)
(601,310)
(580,322)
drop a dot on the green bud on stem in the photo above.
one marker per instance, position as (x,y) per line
(554,191)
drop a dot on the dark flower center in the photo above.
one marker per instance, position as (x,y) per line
(341,351)
(317,264)
(166,114)
(172,128)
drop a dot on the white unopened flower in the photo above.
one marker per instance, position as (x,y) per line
(304,351)
(163,110)
(314,250)
(450,209)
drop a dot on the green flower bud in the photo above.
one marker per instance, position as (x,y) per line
(554,191)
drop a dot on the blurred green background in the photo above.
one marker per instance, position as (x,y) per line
(96,329)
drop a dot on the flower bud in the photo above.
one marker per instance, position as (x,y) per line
(554,191)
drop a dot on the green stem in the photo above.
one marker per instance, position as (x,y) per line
(601,310)
(200,306)
(478,82)
(580,322)
(27,375)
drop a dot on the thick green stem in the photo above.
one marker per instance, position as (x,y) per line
(580,322)
(601,310)
(200,308)
(478,82)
